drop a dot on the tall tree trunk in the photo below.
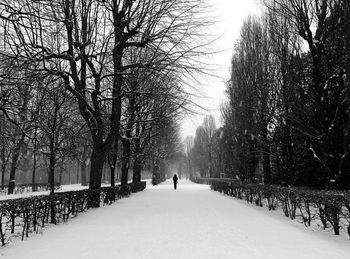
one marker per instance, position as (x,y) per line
(266,154)
(266,165)
(155,172)
(34,158)
(112,161)
(3,152)
(287,149)
(118,79)
(34,170)
(210,169)
(78,171)
(60,176)
(52,171)
(98,157)
(83,172)
(136,176)
(104,174)
(52,182)
(15,156)
(162,170)
(125,161)
(112,174)
(3,167)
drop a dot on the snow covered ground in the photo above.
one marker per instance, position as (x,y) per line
(191,222)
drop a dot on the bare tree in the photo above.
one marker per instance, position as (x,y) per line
(209,129)
(164,146)
(21,111)
(58,126)
(189,155)
(203,145)
(321,24)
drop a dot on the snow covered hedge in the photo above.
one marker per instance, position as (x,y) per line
(22,216)
(321,208)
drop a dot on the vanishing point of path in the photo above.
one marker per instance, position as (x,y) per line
(191,222)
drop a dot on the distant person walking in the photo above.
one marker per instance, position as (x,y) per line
(175,180)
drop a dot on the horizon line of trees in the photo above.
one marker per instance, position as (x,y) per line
(287,118)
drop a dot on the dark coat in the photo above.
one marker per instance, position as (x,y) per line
(175,178)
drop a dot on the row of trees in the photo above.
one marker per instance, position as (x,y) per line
(287,118)
(288,108)
(39,128)
(99,81)
(200,151)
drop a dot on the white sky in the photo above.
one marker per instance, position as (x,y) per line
(230,16)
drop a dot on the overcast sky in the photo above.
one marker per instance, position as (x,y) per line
(230,15)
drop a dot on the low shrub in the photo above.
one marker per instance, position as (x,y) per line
(325,208)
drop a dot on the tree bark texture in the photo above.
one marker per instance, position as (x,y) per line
(15,157)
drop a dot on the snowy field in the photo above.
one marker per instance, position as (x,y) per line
(191,222)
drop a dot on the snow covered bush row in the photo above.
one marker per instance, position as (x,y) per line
(323,208)
(22,216)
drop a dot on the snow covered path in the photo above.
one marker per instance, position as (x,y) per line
(191,222)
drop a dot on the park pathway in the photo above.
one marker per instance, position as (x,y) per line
(191,222)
